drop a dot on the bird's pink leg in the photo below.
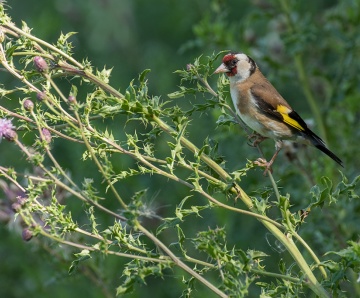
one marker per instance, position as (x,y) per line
(263,163)
(255,139)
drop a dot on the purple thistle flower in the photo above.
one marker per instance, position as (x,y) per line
(6,128)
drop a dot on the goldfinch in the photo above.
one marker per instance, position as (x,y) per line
(263,109)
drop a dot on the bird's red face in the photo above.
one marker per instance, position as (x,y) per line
(237,66)
(229,65)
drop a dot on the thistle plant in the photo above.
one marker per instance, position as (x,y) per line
(57,99)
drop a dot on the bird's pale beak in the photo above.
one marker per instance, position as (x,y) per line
(221,69)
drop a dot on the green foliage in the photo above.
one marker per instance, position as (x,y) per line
(140,189)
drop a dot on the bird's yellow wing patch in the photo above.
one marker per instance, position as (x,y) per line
(286,114)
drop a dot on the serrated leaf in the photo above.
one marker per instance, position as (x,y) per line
(82,256)
(143,75)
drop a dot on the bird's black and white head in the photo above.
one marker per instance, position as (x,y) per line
(237,66)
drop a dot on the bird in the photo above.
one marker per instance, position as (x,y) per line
(262,108)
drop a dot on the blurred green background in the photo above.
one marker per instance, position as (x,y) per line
(165,35)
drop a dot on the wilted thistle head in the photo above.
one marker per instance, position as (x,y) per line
(7,130)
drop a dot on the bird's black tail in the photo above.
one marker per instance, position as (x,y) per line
(329,153)
(320,144)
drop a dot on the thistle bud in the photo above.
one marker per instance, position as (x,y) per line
(21,200)
(46,135)
(189,67)
(72,99)
(41,96)
(28,104)
(40,64)
(26,234)
(16,207)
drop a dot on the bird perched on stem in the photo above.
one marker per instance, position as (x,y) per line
(263,109)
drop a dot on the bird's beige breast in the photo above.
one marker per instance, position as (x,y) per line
(247,108)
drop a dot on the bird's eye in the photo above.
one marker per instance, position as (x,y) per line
(233,62)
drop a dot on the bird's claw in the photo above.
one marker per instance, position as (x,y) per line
(264,164)
(238,192)
(255,139)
